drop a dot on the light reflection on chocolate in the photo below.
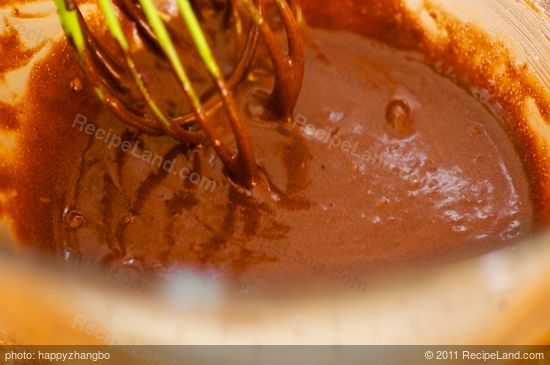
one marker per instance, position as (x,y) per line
(433,177)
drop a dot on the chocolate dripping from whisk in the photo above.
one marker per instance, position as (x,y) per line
(288,66)
(212,103)
(288,70)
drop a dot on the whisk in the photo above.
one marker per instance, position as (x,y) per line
(106,75)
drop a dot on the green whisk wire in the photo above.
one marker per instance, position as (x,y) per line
(165,41)
(89,53)
(71,26)
(115,29)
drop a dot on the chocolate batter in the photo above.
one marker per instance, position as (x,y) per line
(385,164)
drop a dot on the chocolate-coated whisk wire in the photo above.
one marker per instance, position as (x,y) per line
(106,75)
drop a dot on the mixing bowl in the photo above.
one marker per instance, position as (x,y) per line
(500,297)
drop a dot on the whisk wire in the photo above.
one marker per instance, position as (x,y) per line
(246,154)
(235,164)
(116,31)
(107,80)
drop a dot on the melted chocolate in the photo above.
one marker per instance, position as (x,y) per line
(385,164)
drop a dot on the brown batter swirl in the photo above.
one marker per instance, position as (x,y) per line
(386,164)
